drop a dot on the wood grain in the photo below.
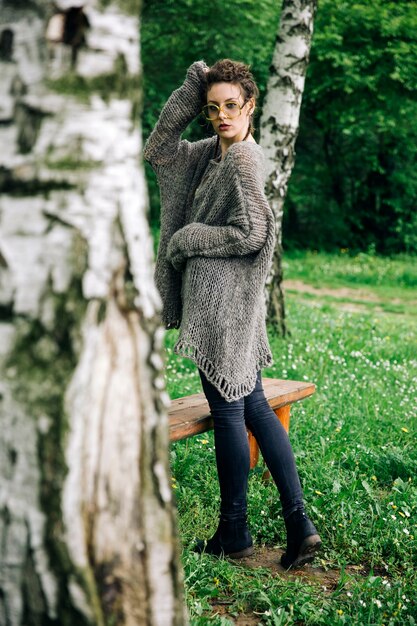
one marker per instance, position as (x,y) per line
(190,415)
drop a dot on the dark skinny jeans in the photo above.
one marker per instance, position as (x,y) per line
(232,449)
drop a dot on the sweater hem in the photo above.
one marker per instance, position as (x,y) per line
(229,391)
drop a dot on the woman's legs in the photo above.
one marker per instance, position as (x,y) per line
(303,540)
(232,458)
(275,447)
(232,450)
(232,537)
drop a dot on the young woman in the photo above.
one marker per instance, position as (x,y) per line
(216,245)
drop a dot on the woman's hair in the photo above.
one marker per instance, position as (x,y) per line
(228,71)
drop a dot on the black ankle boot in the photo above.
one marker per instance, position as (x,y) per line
(232,539)
(303,540)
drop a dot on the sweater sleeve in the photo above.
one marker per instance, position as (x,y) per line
(169,156)
(246,228)
(181,108)
(168,281)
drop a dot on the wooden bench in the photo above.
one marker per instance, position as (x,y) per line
(190,415)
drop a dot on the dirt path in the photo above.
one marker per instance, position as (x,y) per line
(267,557)
(340,292)
(360,299)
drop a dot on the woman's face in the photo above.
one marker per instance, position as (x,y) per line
(226,96)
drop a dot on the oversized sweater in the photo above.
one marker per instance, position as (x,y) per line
(216,245)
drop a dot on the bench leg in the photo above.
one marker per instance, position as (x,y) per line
(283,414)
(253,449)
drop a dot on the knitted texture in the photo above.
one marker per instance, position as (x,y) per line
(216,245)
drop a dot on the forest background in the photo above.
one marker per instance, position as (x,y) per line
(349,240)
(353,185)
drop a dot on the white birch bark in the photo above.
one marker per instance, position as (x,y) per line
(279,126)
(87,522)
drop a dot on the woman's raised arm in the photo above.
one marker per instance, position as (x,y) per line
(181,108)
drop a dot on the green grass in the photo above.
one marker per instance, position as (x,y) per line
(354,441)
(386,284)
(348,270)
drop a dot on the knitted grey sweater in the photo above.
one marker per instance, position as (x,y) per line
(216,245)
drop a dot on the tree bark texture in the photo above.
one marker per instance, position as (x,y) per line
(279,127)
(87,522)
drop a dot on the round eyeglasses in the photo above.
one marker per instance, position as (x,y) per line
(231,109)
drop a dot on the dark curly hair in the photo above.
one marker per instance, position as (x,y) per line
(229,71)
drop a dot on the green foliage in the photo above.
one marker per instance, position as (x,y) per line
(354,444)
(354,269)
(353,184)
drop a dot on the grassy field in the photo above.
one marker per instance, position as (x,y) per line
(353,333)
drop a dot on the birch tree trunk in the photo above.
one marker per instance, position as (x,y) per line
(279,127)
(87,524)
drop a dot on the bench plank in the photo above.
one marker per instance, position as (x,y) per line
(190,415)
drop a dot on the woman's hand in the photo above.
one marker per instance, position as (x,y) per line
(196,73)
(174,254)
(178,262)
